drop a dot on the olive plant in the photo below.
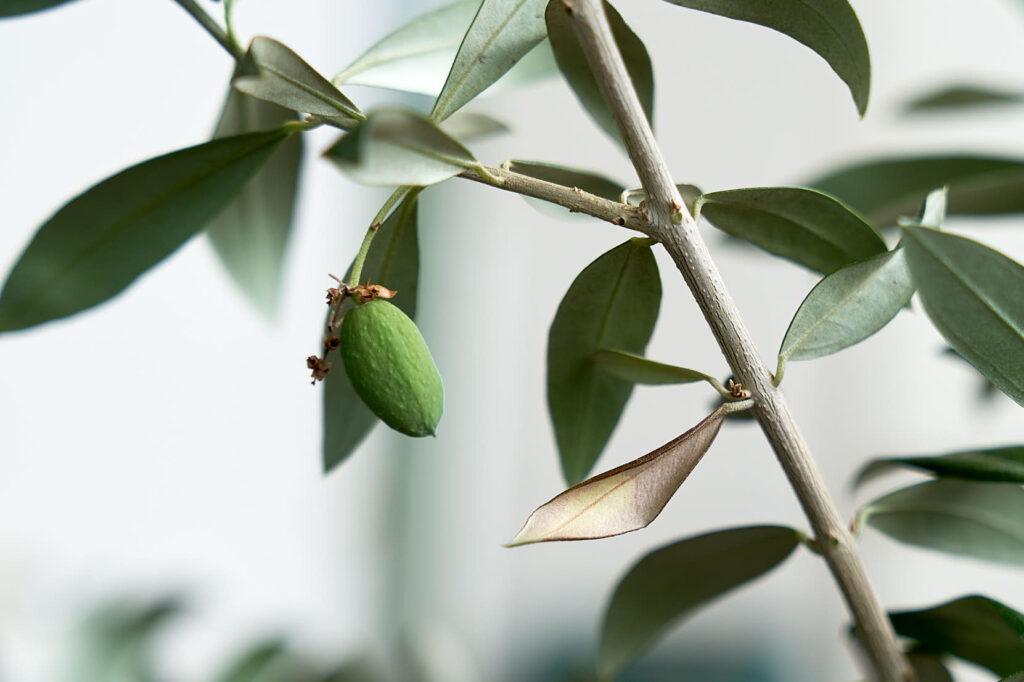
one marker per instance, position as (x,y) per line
(373,365)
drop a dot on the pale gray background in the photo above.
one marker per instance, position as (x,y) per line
(170,438)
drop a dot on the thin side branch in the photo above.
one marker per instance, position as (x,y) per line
(572,198)
(683,241)
(213,28)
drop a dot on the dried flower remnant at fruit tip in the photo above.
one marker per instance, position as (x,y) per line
(319,366)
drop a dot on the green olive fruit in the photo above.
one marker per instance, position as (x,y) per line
(390,368)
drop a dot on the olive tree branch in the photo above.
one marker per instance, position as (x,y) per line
(572,198)
(673,226)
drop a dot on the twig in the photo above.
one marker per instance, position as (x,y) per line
(213,28)
(677,231)
(572,198)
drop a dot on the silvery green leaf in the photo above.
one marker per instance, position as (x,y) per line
(671,583)
(848,306)
(981,520)
(574,65)
(250,235)
(613,303)
(471,125)
(501,34)
(416,56)
(958,98)
(803,225)
(101,241)
(975,628)
(284,78)
(395,147)
(829,27)
(972,294)
(885,189)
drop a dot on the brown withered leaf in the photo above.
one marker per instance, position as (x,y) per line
(624,499)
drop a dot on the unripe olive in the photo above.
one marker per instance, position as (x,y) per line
(391,369)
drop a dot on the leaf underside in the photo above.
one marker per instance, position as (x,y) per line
(613,303)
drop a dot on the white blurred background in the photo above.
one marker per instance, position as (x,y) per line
(169,440)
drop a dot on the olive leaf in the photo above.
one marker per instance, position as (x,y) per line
(885,189)
(829,27)
(250,235)
(394,261)
(848,306)
(974,628)
(10,8)
(471,125)
(995,465)
(640,370)
(981,520)
(102,240)
(803,225)
(502,32)
(672,582)
(117,641)
(284,78)
(613,303)
(933,211)
(417,56)
(956,98)
(266,661)
(574,65)
(395,147)
(928,668)
(624,499)
(972,295)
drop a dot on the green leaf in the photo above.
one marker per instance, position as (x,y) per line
(416,56)
(574,66)
(117,641)
(254,663)
(972,295)
(981,520)
(996,465)
(848,306)
(885,189)
(10,8)
(803,225)
(640,370)
(624,499)
(596,184)
(502,32)
(251,233)
(670,583)
(928,668)
(394,147)
(394,261)
(960,97)
(470,125)
(98,243)
(975,628)
(933,211)
(613,303)
(1018,677)
(829,27)
(284,78)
